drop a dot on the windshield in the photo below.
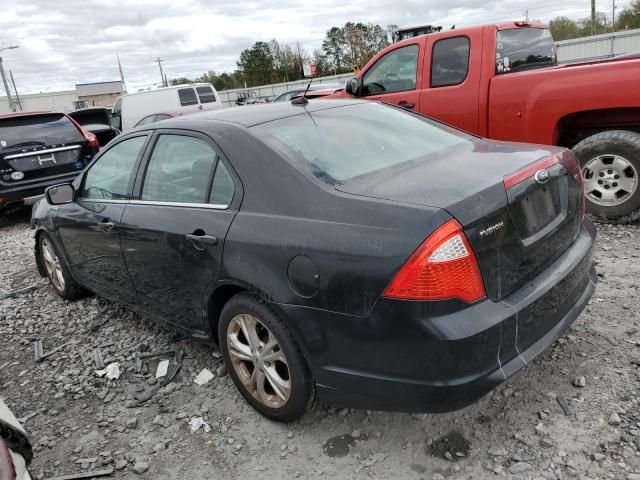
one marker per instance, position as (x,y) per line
(339,144)
(519,49)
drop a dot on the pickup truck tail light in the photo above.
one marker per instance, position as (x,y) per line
(7,471)
(442,267)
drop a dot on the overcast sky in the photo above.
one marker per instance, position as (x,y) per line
(66,42)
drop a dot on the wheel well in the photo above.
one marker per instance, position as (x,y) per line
(39,265)
(216,303)
(575,127)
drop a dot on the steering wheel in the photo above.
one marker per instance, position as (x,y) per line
(103,193)
(380,86)
(392,77)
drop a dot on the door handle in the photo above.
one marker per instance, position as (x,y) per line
(206,239)
(407,105)
(106,226)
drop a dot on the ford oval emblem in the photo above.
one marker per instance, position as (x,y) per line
(542,176)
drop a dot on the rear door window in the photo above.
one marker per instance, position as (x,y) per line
(38,130)
(394,72)
(223,187)
(519,49)
(179,170)
(187,96)
(108,178)
(449,61)
(206,94)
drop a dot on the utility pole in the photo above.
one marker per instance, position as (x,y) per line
(593,17)
(15,89)
(159,60)
(613,16)
(124,85)
(6,88)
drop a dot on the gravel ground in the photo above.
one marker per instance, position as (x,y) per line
(83,422)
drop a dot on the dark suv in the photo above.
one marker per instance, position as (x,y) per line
(39,149)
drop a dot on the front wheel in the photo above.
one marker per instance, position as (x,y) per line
(57,272)
(263,359)
(611,166)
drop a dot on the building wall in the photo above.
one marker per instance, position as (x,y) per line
(101,100)
(56,101)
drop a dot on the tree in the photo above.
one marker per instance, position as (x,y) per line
(629,17)
(256,64)
(601,25)
(563,28)
(333,47)
(353,44)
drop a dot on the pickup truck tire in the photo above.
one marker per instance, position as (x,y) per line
(611,169)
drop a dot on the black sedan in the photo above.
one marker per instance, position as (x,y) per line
(350,250)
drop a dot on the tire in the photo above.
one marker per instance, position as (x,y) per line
(246,313)
(57,271)
(619,185)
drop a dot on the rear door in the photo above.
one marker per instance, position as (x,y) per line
(451,82)
(34,148)
(188,99)
(207,97)
(395,77)
(173,232)
(90,226)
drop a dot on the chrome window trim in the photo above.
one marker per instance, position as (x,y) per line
(40,152)
(102,200)
(212,206)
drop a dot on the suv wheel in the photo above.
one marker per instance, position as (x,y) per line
(611,169)
(263,359)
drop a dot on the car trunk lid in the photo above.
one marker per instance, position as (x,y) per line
(515,224)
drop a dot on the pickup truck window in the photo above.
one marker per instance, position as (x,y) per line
(519,49)
(394,72)
(449,61)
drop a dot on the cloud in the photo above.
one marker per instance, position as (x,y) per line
(76,41)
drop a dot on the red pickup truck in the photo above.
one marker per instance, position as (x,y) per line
(502,81)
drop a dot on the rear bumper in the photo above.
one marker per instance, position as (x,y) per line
(426,357)
(31,192)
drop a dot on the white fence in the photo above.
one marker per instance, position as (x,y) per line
(229,97)
(598,46)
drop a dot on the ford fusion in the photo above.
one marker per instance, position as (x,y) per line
(345,250)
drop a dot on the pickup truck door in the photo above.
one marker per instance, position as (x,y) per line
(395,76)
(451,79)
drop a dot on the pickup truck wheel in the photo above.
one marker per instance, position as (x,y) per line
(611,167)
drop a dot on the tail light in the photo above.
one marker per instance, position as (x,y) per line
(443,266)
(7,471)
(91,138)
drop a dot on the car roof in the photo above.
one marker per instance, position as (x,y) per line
(27,114)
(249,115)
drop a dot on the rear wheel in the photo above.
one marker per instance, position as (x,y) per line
(57,272)
(611,167)
(263,359)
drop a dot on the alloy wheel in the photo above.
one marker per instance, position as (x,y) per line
(609,180)
(259,361)
(52,264)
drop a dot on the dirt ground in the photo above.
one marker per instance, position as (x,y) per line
(83,422)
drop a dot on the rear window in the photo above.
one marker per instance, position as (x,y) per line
(48,129)
(187,97)
(340,144)
(519,49)
(206,94)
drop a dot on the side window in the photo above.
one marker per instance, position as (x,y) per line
(179,170)
(449,61)
(223,188)
(187,97)
(206,94)
(146,120)
(394,72)
(108,178)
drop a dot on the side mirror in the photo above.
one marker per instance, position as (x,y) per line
(60,194)
(353,87)
(116,121)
